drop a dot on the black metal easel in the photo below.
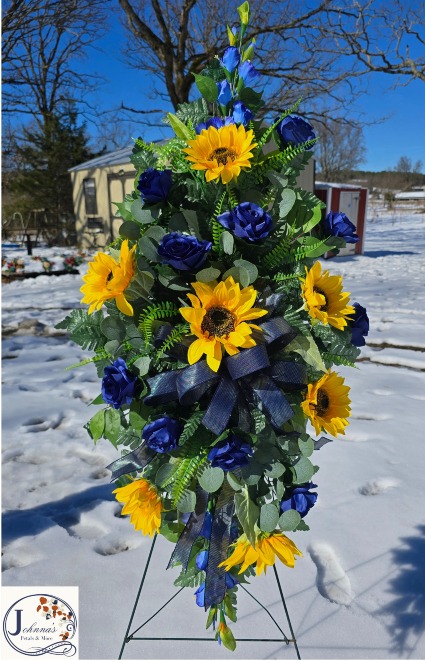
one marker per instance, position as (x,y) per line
(129,637)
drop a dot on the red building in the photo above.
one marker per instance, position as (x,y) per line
(351,200)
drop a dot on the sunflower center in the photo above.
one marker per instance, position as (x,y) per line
(223,154)
(322,402)
(320,291)
(218,321)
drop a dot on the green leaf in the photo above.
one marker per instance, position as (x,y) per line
(208,275)
(280,489)
(140,214)
(247,512)
(227,242)
(234,482)
(207,87)
(289,520)
(315,218)
(306,446)
(142,365)
(98,400)
(136,421)
(164,473)
(249,267)
(276,470)
(97,425)
(227,638)
(269,516)
(112,425)
(171,530)
(302,526)
(211,479)
(304,470)
(211,615)
(112,346)
(113,328)
(239,274)
(306,347)
(187,501)
(179,128)
(130,230)
(287,202)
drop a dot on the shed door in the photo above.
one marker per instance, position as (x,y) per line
(349,204)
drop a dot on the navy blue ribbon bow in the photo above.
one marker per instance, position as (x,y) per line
(242,381)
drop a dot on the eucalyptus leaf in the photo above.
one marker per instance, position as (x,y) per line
(187,502)
(239,274)
(302,526)
(234,482)
(276,470)
(227,242)
(142,365)
(248,266)
(306,446)
(208,275)
(287,201)
(130,230)
(211,479)
(289,520)
(113,328)
(141,214)
(269,516)
(304,470)
(112,346)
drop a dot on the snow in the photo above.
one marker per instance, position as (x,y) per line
(359,590)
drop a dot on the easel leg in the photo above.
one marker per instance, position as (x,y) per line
(286,612)
(138,596)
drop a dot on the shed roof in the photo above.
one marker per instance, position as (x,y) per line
(411,195)
(118,157)
(328,184)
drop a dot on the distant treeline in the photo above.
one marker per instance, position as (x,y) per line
(384,180)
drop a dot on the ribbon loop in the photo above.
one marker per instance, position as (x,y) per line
(247,362)
(194,381)
(221,406)
(163,388)
(133,461)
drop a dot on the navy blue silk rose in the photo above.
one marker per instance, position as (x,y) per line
(300,499)
(231,58)
(337,224)
(241,114)
(359,325)
(118,384)
(183,252)
(162,435)
(230,453)
(247,221)
(217,122)
(154,185)
(294,130)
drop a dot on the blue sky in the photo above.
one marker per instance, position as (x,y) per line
(401,134)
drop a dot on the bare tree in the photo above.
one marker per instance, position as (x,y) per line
(42,41)
(320,50)
(341,148)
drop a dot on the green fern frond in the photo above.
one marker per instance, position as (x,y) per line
(145,146)
(187,470)
(174,337)
(336,359)
(231,194)
(216,228)
(101,355)
(277,256)
(153,313)
(171,154)
(190,427)
(285,277)
(84,329)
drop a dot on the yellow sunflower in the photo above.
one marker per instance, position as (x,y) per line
(327,404)
(219,318)
(107,279)
(143,504)
(221,152)
(263,554)
(324,297)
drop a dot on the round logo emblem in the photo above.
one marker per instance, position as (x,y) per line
(41,624)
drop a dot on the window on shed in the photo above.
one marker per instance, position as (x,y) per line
(89,187)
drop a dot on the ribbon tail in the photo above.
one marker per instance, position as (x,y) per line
(271,400)
(215,580)
(163,388)
(290,375)
(221,406)
(191,531)
(139,458)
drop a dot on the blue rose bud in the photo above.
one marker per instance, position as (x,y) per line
(206,526)
(337,224)
(200,595)
(224,92)
(359,325)
(294,130)
(154,185)
(231,58)
(247,221)
(118,384)
(183,252)
(300,499)
(230,453)
(217,122)
(162,435)
(201,562)
(248,73)
(242,114)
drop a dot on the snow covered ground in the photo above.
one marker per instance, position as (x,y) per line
(359,590)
